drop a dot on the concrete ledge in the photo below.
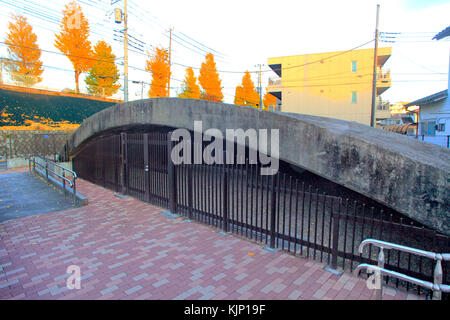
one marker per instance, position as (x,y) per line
(80,200)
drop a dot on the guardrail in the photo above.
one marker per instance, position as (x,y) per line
(49,167)
(437,287)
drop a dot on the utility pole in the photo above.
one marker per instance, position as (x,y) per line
(1,70)
(170,56)
(260,86)
(125,52)
(374,82)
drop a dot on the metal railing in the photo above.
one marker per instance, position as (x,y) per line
(50,168)
(283,211)
(436,286)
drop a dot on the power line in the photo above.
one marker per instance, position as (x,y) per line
(55,52)
(326,58)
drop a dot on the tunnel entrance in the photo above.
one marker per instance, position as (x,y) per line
(294,210)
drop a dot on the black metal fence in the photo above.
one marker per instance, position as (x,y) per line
(280,211)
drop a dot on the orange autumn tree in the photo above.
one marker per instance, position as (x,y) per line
(269,100)
(190,88)
(158,65)
(73,40)
(103,76)
(209,80)
(246,95)
(24,63)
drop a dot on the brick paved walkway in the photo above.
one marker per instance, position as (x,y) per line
(127,250)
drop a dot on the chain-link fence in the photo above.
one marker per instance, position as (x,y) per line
(22,143)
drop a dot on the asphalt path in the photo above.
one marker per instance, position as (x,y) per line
(23,194)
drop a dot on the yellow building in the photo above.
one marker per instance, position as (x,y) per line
(331,84)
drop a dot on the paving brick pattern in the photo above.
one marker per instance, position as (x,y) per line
(126,249)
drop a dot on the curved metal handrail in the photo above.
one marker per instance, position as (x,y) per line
(388,245)
(437,287)
(45,166)
(426,284)
(56,174)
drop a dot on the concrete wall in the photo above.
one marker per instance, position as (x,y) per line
(407,175)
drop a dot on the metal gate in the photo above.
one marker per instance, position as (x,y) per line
(280,211)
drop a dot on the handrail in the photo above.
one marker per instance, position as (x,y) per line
(426,284)
(64,179)
(437,287)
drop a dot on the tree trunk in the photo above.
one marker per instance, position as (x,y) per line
(77,76)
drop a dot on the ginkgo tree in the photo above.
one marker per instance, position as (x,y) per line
(24,64)
(73,40)
(190,88)
(269,101)
(209,80)
(103,76)
(159,66)
(246,94)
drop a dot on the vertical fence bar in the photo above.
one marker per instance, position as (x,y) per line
(335,248)
(146,169)
(267,204)
(290,214)
(316,223)
(303,217)
(353,235)
(242,199)
(296,216)
(309,221)
(246,199)
(273,211)
(123,139)
(323,226)
(252,169)
(345,232)
(190,189)
(225,197)
(172,178)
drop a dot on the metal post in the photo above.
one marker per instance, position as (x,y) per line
(146,169)
(125,52)
(46,169)
(273,212)
(190,186)
(64,182)
(437,278)
(335,248)
(124,155)
(225,198)
(379,291)
(170,61)
(374,80)
(172,179)
(74,190)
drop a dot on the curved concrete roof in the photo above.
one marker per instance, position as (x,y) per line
(409,176)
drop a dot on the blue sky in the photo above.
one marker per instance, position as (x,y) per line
(421,4)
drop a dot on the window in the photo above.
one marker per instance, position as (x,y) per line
(353,96)
(354,67)
(428,128)
(441,127)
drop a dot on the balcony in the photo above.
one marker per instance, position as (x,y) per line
(383,81)
(274,81)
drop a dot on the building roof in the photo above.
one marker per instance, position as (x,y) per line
(399,128)
(443,34)
(429,99)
